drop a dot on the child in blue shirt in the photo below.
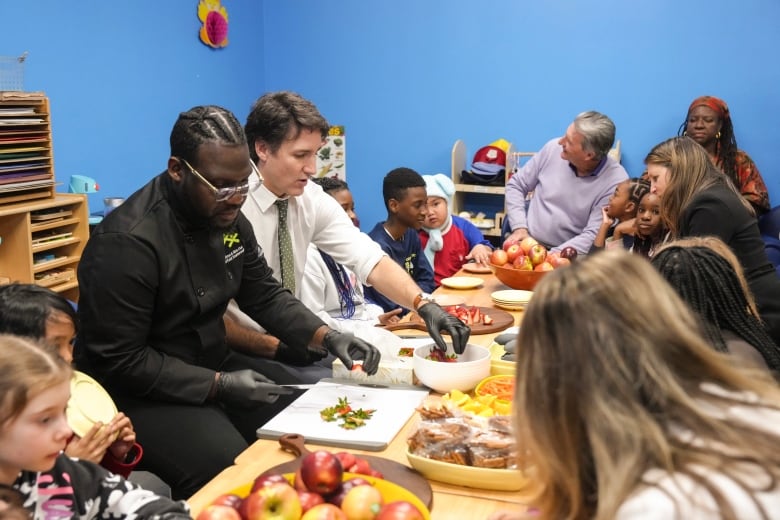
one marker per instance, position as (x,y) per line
(405,199)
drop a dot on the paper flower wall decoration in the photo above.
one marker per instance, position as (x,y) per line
(215,23)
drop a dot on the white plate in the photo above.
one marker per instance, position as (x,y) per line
(512,296)
(510,306)
(461,282)
(89,403)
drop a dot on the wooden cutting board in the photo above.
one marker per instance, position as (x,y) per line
(393,471)
(501,320)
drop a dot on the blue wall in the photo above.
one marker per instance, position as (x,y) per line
(407,77)
(118,73)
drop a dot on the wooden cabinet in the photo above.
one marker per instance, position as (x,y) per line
(42,241)
(26,161)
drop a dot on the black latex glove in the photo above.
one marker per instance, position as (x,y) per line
(438,320)
(299,356)
(247,388)
(347,348)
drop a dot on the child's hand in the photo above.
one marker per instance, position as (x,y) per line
(607,220)
(125,438)
(480,253)
(627,227)
(388,318)
(92,446)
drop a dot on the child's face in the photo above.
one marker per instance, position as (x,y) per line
(616,207)
(33,440)
(60,332)
(437,213)
(344,198)
(411,209)
(648,217)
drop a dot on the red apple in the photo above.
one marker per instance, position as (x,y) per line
(544,266)
(513,252)
(309,500)
(339,495)
(346,458)
(559,262)
(361,466)
(399,510)
(537,254)
(508,243)
(321,471)
(219,512)
(523,263)
(324,512)
(569,252)
(276,501)
(527,243)
(267,480)
(498,257)
(228,499)
(362,503)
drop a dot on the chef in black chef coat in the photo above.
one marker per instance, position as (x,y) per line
(155,278)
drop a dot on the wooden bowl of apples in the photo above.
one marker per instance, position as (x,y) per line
(521,265)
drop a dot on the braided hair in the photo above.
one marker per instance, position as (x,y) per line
(638,187)
(204,124)
(346,290)
(706,281)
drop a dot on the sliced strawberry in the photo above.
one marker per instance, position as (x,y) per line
(487,320)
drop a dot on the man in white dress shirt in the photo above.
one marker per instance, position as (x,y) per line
(285,132)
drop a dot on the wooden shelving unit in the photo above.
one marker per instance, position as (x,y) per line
(42,241)
(26,160)
(460,202)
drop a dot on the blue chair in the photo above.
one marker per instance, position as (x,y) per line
(769,223)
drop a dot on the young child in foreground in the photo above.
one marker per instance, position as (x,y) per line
(40,314)
(619,214)
(449,241)
(35,389)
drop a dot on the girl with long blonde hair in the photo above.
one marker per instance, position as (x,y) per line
(697,199)
(625,411)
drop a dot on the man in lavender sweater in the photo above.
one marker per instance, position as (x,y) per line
(571,179)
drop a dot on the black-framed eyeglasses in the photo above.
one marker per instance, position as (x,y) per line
(226,192)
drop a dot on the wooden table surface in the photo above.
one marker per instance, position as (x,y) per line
(449,501)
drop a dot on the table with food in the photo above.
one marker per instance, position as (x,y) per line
(439,448)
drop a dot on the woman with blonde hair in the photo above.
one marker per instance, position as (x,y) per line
(698,200)
(625,411)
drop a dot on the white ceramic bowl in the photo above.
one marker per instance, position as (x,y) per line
(471,368)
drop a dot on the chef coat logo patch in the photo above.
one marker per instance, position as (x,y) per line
(231,240)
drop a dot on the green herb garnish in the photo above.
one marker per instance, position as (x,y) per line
(346,417)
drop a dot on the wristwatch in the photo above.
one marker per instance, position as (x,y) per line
(422,299)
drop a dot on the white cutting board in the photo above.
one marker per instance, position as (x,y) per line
(394,406)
